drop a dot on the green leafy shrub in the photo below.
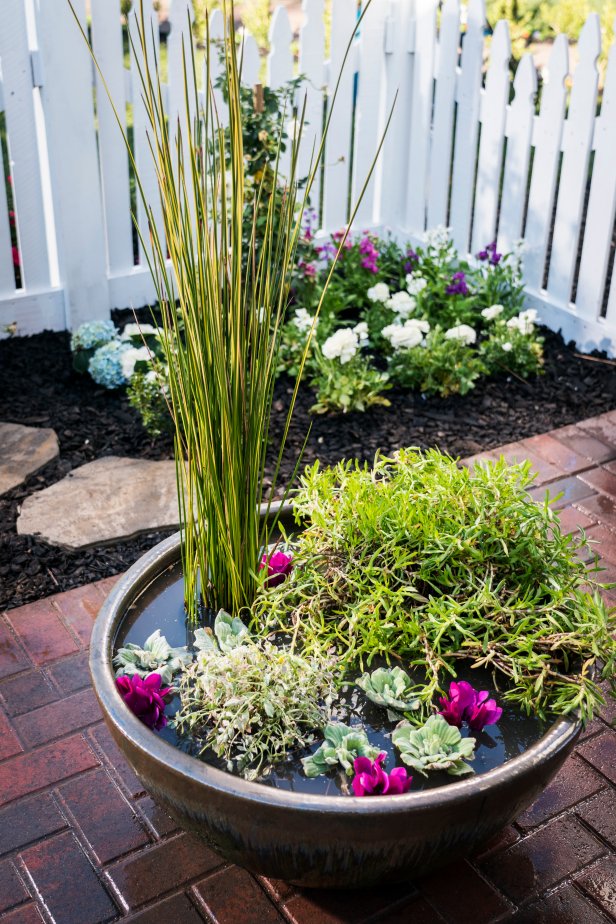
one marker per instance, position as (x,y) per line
(435,563)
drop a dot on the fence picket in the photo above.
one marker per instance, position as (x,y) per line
(338,145)
(73,155)
(179,43)
(24,145)
(141,125)
(216,34)
(280,58)
(577,142)
(310,97)
(467,126)
(250,60)
(491,142)
(107,45)
(369,117)
(398,52)
(601,204)
(280,71)
(547,140)
(444,107)
(421,117)
(7,276)
(520,122)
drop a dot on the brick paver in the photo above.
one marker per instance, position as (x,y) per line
(81,842)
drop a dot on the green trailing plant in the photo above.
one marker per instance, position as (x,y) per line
(431,563)
(222,309)
(435,746)
(389,687)
(340,748)
(249,701)
(156,657)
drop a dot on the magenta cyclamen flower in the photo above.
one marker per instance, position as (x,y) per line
(278,565)
(465,704)
(371,780)
(144,697)
(458,285)
(369,255)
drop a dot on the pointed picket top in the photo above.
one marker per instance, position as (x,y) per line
(249,59)
(493,118)
(601,208)
(547,140)
(577,145)
(519,134)
(280,58)
(589,42)
(476,16)
(443,116)
(311,66)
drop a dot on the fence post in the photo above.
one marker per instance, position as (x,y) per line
(69,119)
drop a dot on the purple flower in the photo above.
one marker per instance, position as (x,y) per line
(465,704)
(489,253)
(458,285)
(144,697)
(371,780)
(309,269)
(278,565)
(411,260)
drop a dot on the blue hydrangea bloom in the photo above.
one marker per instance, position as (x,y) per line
(93,334)
(106,364)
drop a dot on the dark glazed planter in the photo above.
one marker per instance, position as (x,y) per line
(315,841)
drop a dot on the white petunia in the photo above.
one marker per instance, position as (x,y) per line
(492,312)
(525,322)
(130,357)
(403,336)
(506,347)
(415,284)
(437,237)
(361,330)
(137,330)
(342,345)
(462,332)
(379,292)
(303,320)
(402,303)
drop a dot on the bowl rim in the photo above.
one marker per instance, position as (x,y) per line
(141,575)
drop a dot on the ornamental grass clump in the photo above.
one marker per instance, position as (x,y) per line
(429,563)
(221,278)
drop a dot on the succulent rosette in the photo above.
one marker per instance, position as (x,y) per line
(434,746)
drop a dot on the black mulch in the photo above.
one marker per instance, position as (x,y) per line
(38,387)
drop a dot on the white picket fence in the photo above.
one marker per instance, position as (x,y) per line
(458,152)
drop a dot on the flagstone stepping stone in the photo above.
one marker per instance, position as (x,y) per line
(104,501)
(23,450)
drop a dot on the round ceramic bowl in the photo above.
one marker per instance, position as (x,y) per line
(310,840)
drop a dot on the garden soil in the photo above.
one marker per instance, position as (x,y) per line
(38,387)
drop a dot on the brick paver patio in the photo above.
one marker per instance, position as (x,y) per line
(81,843)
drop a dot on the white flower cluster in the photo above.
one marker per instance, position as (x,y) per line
(524,323)
(437,237)
(379,292)
(402,303)
(130,357)
(137,330)
(345,342)
(415,284)
(462,332)
(493,312)
(406,336)
(303,320)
